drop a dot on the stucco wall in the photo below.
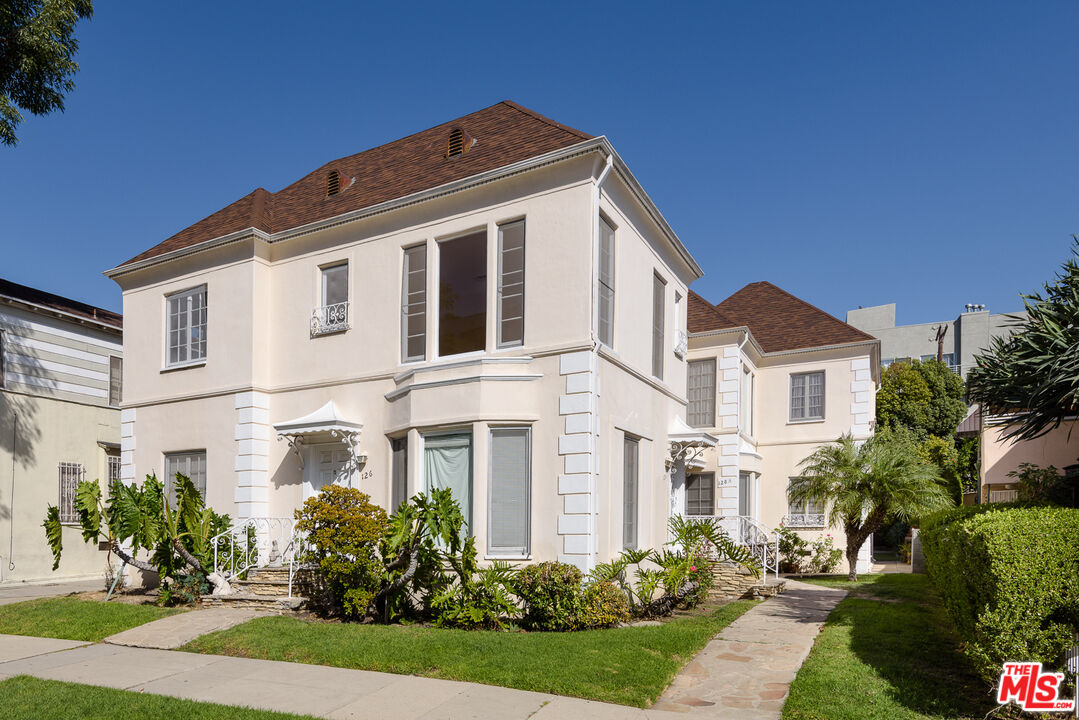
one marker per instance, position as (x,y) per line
(999,456)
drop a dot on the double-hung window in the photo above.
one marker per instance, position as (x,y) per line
(71,474)
(462,294)
(509,492)
(659,311)
(511,284)
(630,464)
(332,315)
(804,513)
(399,470)
(701,392)
(807,396)
(701,494)
(605,290)
(190,464)
(414,304)
(186,327)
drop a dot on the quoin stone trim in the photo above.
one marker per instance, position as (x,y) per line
(577,446)
(861,408)
(252,454)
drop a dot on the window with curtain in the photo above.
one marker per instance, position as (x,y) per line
(701,393)
(398,472)
(414,304)
(462,294)
(807,396)
(447,463)
(191,464)
(508,495)
(630,465)
(605,291)
(186,327)
(701,494)
(659,311)
(511,284)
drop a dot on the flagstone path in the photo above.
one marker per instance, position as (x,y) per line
(746,671)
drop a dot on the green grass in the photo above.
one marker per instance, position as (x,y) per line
(630,666)
(888,651)
(27,698)
(73,619)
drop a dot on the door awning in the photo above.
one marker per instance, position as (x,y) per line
(687,443)
(326,421)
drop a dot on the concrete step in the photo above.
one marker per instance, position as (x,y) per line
(262,586)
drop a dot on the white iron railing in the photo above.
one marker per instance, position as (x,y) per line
(329,319)
(805,520)
(762,542)
(258,542)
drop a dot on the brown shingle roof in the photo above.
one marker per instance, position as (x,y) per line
(703,316)
(780,321)
(33,296)
(505,133)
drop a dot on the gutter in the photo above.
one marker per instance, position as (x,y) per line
(599,144)
(43,310)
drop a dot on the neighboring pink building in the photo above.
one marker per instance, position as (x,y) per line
(1059,448)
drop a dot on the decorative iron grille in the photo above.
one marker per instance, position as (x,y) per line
(70,476)
(329,319)
(805,520)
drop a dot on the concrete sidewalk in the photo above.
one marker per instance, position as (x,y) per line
(177,630)
(18,592)
(746,671)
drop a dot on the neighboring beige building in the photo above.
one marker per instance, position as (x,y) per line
(773,378)
(492,305)
(60,384)
(999,456)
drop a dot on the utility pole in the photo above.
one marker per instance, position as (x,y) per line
(942,330)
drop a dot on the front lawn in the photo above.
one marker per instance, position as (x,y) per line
(630,666)
(28,698)
(887,652)
(74,619)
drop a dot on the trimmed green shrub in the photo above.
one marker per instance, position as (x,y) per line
(603,605)
(552,595)
(1009,577)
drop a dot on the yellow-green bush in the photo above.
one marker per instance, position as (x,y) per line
(603,605)
(1009,577)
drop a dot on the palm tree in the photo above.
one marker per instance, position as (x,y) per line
(868,485)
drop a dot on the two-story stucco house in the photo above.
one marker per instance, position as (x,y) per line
(773,378)
(492,305)
(61,363)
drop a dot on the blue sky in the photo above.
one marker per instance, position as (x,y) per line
(852,153)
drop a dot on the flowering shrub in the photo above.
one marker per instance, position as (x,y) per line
(793,550)
(552,595)
(826,555)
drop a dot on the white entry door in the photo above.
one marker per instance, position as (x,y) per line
(326,464)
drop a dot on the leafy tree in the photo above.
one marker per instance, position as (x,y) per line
(867,486)
(1033,373)
(37,47)
(924,397)
(946,407)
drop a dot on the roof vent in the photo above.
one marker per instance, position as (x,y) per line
(459,143)
(333,183)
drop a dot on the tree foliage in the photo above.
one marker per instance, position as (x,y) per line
(868,485)
(924,397)
(37,50)
(1034,373)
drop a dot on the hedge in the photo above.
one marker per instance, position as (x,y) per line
(1009,577)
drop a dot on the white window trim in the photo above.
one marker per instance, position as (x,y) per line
(715,387)
(659,343)
(499,343)
(403,345)
(603,219)
(824,399)
(435,317)
(166,365)
(493,552)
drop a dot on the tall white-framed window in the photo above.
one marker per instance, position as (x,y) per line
(186,327)
(659,317)
(462,294)
(701,494)
(605,290)
(509,492)
(701,393)
(747,400)
(414,304)
(116,380)
(511,284)
(447,463)
(113,465)
(71,474)
(332,315)
(399,472)
(807,396)
(191,464)
(631,451)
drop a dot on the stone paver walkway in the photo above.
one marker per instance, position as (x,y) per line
(746,671)
(173,631)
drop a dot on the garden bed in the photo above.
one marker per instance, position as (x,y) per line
(628,665)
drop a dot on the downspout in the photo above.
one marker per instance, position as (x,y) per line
(593,396)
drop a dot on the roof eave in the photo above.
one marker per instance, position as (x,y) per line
(69,317)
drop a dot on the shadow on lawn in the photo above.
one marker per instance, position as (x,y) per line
(902,632)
